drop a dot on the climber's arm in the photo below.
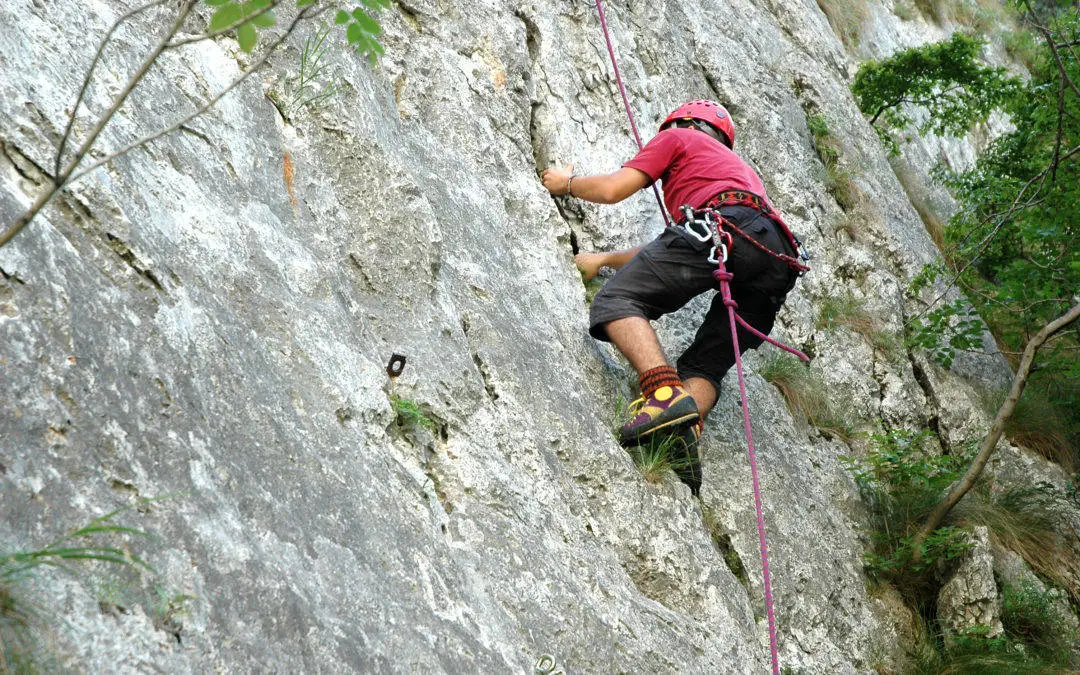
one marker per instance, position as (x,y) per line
(607,188)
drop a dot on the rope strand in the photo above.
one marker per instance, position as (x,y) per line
(626,102)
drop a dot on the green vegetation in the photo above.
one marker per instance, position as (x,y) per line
(312,84)
(1039,618)
(1011,246)
(806,395)
(838,181)
(410,414)
(24,622)
(944,78)
(974,652)
(902,479)
(655,458)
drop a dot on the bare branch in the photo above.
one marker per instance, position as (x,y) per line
(996,429)
(206,106)
(60,180)
(89,74)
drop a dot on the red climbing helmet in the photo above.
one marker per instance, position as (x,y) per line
(709,112)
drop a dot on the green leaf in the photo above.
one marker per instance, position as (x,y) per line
(304,3)
(265,20)
(225,17)
(246,36)
(341,18)
(370,26)
(372,4)
(217,3)
(355,34)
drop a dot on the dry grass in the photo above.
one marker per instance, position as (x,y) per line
(1029,521)
(848,311)
(1037,424)
(919,197)
(806,395)
(846,18)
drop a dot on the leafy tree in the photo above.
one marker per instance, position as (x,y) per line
(944,78)
(245,19)
(1012,245)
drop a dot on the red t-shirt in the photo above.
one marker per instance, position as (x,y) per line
(694,167)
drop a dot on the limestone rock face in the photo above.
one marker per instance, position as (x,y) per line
(970,598)
(211,317)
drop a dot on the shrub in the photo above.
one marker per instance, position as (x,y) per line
(1038,618)
(902,483)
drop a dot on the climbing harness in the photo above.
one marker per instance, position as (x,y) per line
(740,198)
(713,230)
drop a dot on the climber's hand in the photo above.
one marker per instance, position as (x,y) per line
(589,264)
(555,180)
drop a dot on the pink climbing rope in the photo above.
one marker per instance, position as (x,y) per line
(724,277)
(626,101)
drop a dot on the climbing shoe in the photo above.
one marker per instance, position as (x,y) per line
(684,458)
(668,408)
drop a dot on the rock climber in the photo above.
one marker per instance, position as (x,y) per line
(693,155)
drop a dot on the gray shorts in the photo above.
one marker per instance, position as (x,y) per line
(673,269)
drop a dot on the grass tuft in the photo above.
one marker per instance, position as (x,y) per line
(806,395)
(838,181)
(410,414)
(846,18)
(655,458)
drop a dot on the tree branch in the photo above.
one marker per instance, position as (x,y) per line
(993,233)
(227,29)
(206,106)
(89,74)
(63,178)
(68,176)
(996,429)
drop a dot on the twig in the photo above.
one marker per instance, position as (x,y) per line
(307,11)
(63,178)
(89,73)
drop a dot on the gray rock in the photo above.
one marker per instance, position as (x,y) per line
(970,598)
(211,318)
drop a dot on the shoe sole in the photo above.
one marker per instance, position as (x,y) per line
(631,441)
